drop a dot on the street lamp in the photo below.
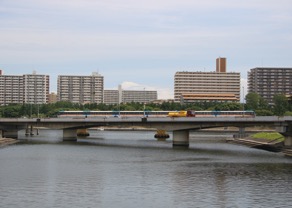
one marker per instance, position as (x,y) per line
(144,99)
(243,99)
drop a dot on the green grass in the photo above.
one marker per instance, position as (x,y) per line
(270,136)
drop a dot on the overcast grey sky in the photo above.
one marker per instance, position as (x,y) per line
(142,43)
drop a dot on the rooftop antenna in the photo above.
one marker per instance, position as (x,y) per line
(95,73)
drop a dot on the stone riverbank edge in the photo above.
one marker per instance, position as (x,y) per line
(262,144)
(7,141)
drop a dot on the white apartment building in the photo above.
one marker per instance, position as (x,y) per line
(139,96)
(128,96)
(28,88)
(36,88)
(80,89)
(11,89)
(111,96)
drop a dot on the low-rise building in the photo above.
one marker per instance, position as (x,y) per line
(128,96)
(111,96)
(52,97)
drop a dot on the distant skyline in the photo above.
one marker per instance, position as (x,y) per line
(141,44)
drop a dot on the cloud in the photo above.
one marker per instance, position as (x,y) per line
(163,93)
(143,41)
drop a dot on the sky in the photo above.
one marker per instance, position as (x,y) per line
(140,44)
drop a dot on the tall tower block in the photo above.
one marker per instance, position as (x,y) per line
(221,65)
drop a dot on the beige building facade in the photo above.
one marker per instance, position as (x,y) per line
(53,97)
(193,98)
(207,84)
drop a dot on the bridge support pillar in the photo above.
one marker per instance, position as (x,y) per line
(281,129)
(288,141)
(286,131)
(29,131)
(241,133)
(69,135)
(10,134)
(180,138)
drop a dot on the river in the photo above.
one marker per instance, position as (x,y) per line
(131,169)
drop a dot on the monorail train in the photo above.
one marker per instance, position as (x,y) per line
(191,113)
(85,114)
(188,113)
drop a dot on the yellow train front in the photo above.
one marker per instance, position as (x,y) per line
(188,113)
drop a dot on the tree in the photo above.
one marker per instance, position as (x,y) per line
(12,111)
(228,106)
(264,112)
(281,104)
(252,101)
(263,104)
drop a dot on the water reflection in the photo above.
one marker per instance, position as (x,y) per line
(131,169)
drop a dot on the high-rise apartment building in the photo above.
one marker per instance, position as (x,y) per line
(36,88)
(207,84)
(28,88)
(80,89)
(11,89)
(268,82)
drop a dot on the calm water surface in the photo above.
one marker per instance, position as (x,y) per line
(132,169)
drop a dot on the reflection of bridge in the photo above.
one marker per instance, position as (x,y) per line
(180,125)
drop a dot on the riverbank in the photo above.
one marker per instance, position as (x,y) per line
(258,143)
(256,137)
(264,144)
(7,141)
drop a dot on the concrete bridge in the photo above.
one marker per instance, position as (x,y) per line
(180,126)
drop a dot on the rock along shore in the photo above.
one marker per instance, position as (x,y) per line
(7,141)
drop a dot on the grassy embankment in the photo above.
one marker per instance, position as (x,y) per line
(268,137)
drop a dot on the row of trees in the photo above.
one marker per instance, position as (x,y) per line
(281,105)
(253,102)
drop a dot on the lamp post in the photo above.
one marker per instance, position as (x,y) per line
(243,99)
(38,110)
(144,99)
